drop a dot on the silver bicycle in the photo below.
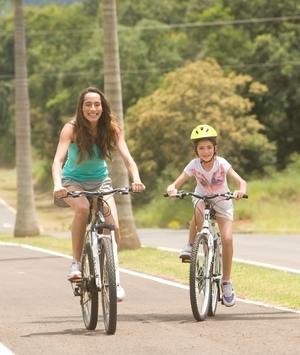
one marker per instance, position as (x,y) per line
(100,272)
(206,260)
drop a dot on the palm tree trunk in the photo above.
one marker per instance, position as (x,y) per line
(26,221)
(113,91)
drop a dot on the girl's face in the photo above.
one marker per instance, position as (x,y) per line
(205,150)
(92,107)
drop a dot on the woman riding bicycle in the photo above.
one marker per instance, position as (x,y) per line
(87,140)
(210,172)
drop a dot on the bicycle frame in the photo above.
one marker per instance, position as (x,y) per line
(100,270)
(95,238)
(209,230)
(205,260)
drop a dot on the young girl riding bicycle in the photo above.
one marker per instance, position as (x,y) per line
(211,173)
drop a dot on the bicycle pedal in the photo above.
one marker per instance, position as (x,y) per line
(77,285)
(186,261)
(79,279)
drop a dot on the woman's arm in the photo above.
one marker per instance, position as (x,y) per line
(130,164)
(65,139)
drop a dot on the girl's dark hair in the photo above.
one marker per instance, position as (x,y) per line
(213,140)
(108,129)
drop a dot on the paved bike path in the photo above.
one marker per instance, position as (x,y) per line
(39,315)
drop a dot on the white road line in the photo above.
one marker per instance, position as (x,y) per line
(7,206)
(4,350)
(256,263)
(148,277)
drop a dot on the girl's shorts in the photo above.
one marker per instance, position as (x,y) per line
(221,211)
(92,185)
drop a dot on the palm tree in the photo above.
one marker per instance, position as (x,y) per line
(26,221)
(112,89)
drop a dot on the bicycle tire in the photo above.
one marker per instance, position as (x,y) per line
(89,294)
(200,285)
(215,284)
(109,287)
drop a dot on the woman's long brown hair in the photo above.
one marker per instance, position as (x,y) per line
(108,129)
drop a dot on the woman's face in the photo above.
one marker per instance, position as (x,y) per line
(205,150)
(92,107)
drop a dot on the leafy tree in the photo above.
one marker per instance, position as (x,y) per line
(159,126)
(63,56)
(268,51)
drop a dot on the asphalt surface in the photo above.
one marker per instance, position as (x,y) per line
(40,315)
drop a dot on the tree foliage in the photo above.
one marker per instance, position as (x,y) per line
(66,55)
(159,126)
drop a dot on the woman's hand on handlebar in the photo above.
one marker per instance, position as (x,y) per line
(59,191)
(138,187)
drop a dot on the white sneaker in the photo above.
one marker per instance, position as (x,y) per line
(120,293)
(228,294)
(75,270)
(186,252)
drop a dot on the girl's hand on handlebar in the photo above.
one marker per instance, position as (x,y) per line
(238,194)
(171,190)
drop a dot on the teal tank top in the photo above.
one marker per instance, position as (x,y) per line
(93,168)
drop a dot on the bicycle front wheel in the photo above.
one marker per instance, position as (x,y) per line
(89,292)
(216,277)
(109,287)
(200,284)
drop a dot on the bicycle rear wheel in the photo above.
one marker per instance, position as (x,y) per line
(109,287)
(215,284)
(89,292)
(200,284)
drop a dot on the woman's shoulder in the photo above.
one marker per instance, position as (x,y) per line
(68,131)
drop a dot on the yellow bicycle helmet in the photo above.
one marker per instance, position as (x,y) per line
(203,131)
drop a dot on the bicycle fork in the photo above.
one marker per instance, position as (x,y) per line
(210,242)
(95,243)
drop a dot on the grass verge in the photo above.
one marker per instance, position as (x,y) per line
(276,288)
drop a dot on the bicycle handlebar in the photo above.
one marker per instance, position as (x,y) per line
(181,194)
(120,190)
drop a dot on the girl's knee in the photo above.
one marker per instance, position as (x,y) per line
(227,241)
(82,211)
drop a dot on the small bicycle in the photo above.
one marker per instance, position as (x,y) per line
(100,272)
(206,260)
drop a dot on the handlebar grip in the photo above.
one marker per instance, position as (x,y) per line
(166,194)
(245,196)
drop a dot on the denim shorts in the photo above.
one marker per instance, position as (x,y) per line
(92,185)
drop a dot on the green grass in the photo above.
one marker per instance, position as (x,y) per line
(276,288)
